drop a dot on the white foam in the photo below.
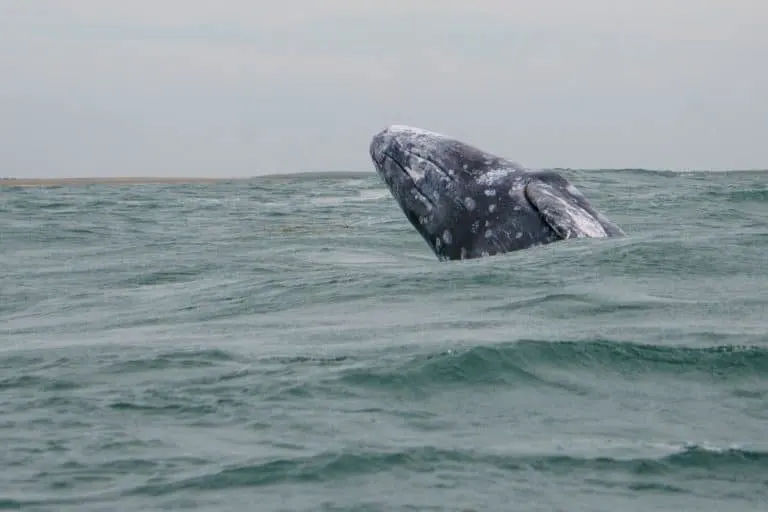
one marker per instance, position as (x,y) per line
(591,447)
(327,201)
(363,196)
(372,195)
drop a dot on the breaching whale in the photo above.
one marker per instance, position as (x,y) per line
(469,203)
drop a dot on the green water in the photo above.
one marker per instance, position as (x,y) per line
(290,343)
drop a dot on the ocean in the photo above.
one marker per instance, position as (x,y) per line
(290,343)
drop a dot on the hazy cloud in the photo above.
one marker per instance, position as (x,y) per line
(244,88)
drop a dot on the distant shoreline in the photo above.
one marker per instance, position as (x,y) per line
(138,180)
(148,180)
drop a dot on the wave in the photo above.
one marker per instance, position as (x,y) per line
(759,194)
(695,462)
(520,363)
(527,362)
(664,172)
(691,470)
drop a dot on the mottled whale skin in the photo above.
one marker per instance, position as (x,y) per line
(468,203)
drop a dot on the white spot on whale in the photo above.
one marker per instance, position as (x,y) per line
(491,208)
(447,238)
(415,172)
(469,203)
(519,235)
(423,200)
(488,233)
(490,192)
(475,226)
(493,176)
(487,223)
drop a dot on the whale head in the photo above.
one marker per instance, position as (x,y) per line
(468,203)
(443,185)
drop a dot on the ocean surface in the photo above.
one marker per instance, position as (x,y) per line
(292,344)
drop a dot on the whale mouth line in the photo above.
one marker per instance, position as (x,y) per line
(386,155)
(435,164)
(457,203)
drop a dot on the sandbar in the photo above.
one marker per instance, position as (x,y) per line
(138,180)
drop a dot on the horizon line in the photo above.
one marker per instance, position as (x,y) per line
(131,180)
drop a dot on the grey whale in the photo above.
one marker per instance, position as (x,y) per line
(467,203)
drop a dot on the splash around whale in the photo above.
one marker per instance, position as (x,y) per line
(468,203)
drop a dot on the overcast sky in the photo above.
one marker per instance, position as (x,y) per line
(248,87)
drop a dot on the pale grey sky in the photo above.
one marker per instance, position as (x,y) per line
(247,87)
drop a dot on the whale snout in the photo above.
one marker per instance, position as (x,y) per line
(380,144)
(397,141)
